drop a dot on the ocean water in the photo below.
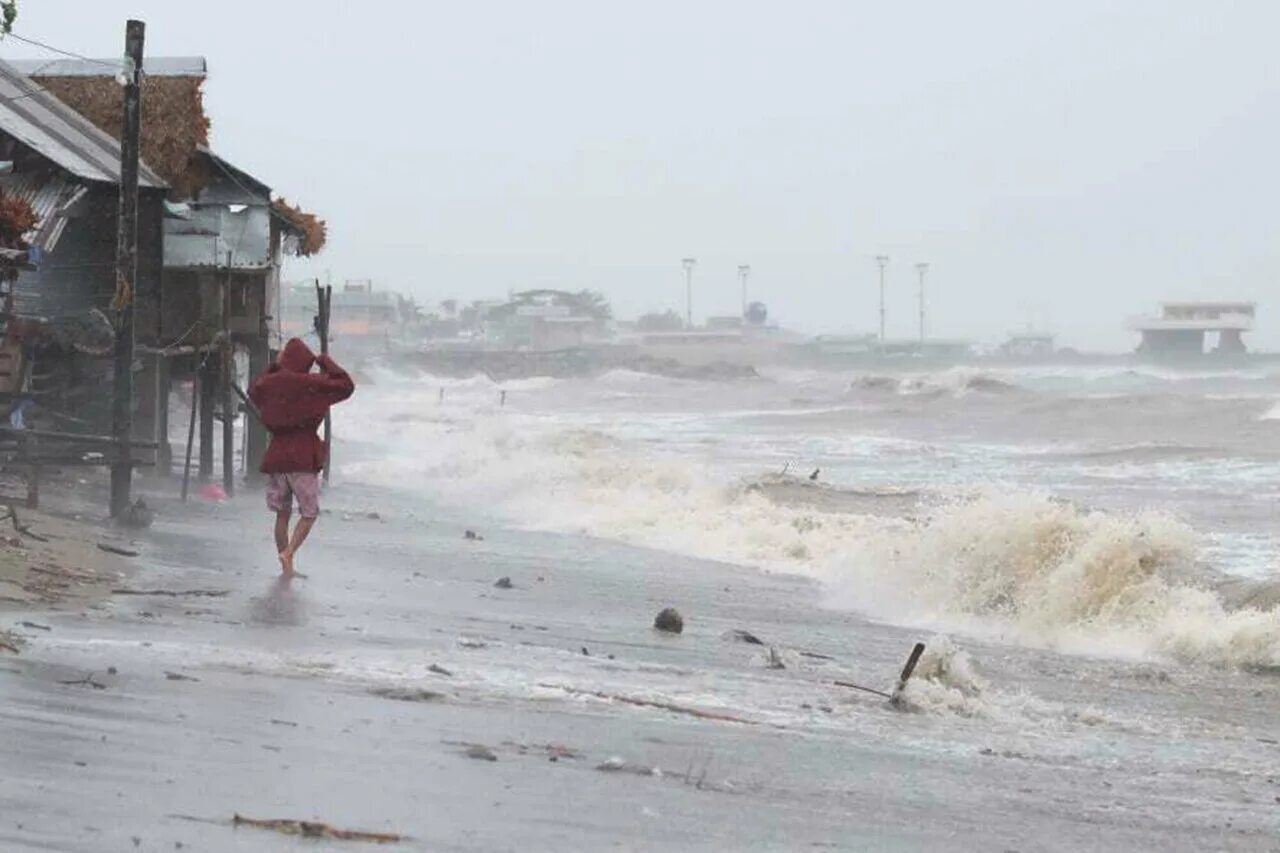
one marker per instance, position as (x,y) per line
(1112,511)
(1086,554)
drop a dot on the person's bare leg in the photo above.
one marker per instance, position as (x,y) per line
(282,533)
(300,533)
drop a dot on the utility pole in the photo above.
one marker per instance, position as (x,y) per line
(922,268)
(689,264)
(744,270)
(883,261)
(126,269)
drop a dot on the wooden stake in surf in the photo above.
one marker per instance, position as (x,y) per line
(895,698)
(912,660)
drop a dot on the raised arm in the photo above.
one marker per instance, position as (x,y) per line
(333,383)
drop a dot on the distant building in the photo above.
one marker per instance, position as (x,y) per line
(364,319)
(1183,328)
(1028,344)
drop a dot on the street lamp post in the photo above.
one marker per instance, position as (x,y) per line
(689,264)
(883,261)
(744,270)
(922,268)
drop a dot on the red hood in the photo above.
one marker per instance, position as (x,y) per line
(296,356)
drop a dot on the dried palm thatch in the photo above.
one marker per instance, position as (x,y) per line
(16,218)
(174,123)
(312,230)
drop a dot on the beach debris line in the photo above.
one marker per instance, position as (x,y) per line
(618,764)
(480,752)
(407,694)
(895,698)
(669,621)
(173,593)
(651,703)
(88,680)
(317,829)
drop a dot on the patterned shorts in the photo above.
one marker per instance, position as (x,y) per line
(283,489)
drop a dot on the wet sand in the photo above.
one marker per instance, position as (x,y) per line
(319,701)
(51,561)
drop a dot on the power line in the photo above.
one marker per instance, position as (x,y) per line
(67,53)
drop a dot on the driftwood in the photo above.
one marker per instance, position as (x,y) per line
(174,593)
(115,549)
(316,829)
(853,686)
(662,706)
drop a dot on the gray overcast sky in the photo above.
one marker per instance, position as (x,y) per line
(1067,163)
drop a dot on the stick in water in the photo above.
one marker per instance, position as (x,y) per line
(906,673)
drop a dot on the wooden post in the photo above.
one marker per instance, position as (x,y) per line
(228,403)
(907,671)
(191,430)
(25,447)
(126,269)
(208,393)
(164,452)
(259,361)
(324,296)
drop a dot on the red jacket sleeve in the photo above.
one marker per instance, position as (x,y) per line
(333,383)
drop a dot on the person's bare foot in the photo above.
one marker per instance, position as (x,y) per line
(286,563)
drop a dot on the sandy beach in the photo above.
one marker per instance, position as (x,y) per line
(397,690)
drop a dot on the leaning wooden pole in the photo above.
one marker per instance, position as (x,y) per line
(324,296)
(126,269)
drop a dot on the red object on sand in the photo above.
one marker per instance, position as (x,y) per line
(213,492)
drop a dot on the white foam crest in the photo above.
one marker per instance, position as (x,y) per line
(1023,566)
(1046,572)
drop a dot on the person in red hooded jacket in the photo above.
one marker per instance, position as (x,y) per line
(293,401)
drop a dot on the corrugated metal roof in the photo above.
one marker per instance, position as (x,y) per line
(155,66)
(204,238)
(50,198)
(40,121)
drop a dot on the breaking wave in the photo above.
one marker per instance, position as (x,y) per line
(1026,567)
(957,381)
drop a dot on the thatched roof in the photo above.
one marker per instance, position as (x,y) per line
(310,230)
(175,129)
(174,124)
